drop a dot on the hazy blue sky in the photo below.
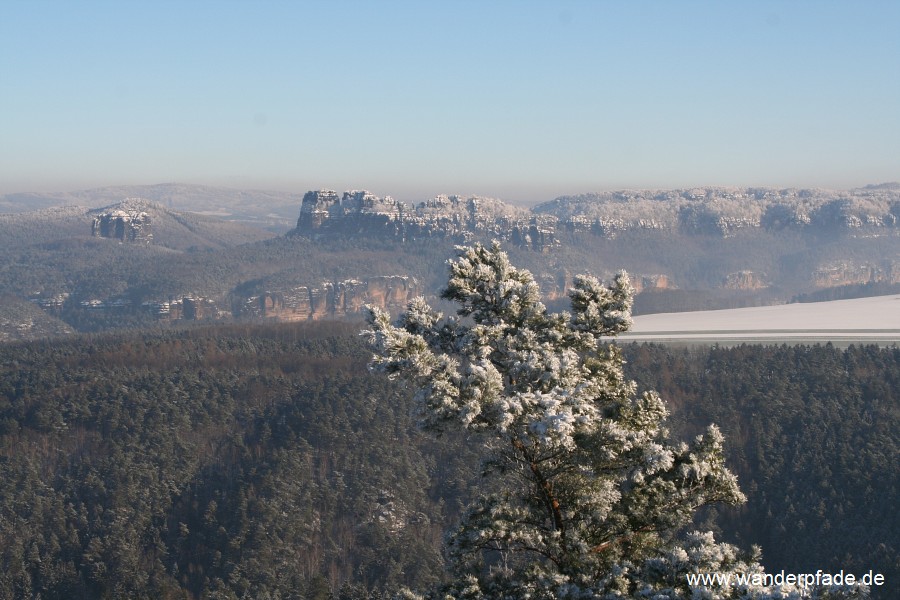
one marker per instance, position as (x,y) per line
(520,100)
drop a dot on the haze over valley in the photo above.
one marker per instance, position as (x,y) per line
(139,262)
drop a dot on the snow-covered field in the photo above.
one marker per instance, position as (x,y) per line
(862,320)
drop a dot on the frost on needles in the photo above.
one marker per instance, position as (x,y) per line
(594,497)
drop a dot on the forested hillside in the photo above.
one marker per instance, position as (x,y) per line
(211,463)
(813,434)
(226,462)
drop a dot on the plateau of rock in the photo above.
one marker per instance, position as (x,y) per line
(701,211)
(123,225)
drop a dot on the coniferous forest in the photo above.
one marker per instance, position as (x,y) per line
(266,461)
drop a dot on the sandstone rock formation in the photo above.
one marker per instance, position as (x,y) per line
(658,281)
(724,211)
(849,273)
(363,213)
(123,225)
(745,280)
(696,211)
(333,300)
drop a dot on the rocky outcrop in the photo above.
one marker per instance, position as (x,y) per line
(554,286)
(779,216)
(658,281)
(316,208)
(852,273)
(123,225)
(744,280)
(384,292)
(333,300)
(357,212)
(719,212)
(184,308)
(198,309)
(457,217)
(725,211)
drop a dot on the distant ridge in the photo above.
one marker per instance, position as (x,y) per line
(891,185)
(718,211)
(182,230)
(712,207)
(170,229)
(271,209)
(725,209)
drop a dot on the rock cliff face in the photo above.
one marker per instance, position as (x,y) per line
(183,308)
(363,213)
(642,283)
(724,211)
(744,280)
(123,225)
(333,300)
(850,273)
(697,211)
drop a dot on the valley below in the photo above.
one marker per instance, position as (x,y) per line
(192,254)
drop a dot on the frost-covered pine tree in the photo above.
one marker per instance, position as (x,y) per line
(594,496)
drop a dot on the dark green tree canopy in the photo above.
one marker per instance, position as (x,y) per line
(588,496)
